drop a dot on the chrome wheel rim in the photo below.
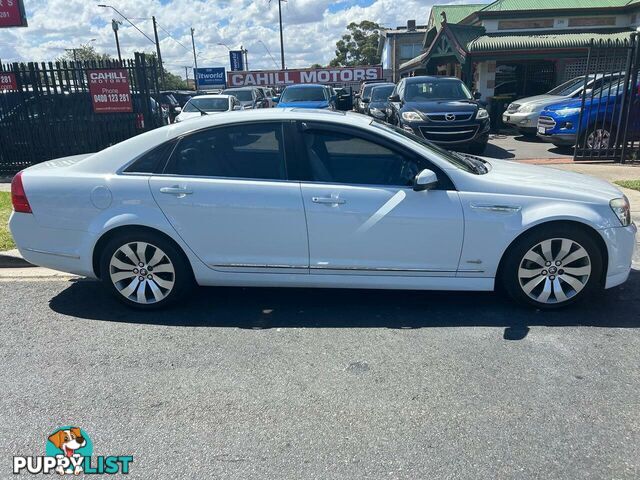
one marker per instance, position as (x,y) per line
(599,139)
(142,273)
(554,271)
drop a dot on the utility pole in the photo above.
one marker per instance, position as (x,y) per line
(281,41)
(186,73)
(195,60)
(155,33)
(115,24)
(246,57)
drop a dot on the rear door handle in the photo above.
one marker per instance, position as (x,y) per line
(176,190)
(328,200)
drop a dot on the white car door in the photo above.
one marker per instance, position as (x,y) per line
(225,191)
(363,216)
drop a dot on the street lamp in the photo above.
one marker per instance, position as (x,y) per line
(115,24)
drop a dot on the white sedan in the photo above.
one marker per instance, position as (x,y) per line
(304,198)
(208,105)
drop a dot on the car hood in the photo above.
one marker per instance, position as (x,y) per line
(515,178)
(572,103)
(440,106)
(319,104)
(541,100)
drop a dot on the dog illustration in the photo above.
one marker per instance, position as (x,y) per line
(68,441)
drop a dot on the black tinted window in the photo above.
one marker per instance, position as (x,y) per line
(342,158)
(153,160)
(241,151)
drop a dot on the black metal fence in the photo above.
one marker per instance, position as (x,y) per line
(609,123)
(46,110)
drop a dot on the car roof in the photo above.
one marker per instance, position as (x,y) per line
(307,85)
(213,95)
(430,78)
(237,89)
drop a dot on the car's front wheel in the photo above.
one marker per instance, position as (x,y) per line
(552,267)
(144,270)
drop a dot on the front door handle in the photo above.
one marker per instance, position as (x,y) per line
(328,200)
(176,190)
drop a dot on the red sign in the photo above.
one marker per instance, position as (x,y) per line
(306,75)
(12,14)
(8,81)
(109,89)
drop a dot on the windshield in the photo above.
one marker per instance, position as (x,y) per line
(465,162)
(567,88)
(381,94)
(242,95)
(307,94)
(436,90)
(207,105)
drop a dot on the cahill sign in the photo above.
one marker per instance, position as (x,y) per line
(315,75)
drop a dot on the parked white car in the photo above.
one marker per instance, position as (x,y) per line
(304,198)
(208,105)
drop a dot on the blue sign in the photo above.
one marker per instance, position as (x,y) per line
(236,60)
(211,77)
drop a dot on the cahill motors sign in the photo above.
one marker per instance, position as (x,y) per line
(315,75)
(110,90)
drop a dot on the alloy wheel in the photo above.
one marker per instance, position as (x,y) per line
(599,139)
(142,272)
(554,270)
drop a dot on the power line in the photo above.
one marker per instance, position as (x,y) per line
(172,37)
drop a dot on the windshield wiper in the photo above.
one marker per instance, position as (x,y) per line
(202,112)
(475,163)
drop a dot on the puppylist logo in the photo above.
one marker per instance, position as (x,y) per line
(70,451)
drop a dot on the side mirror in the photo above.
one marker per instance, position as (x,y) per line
(425,180)
(394,98)
(178,109)
(366,100)
(357,95)
(477,95)
(237,107)
(275,99)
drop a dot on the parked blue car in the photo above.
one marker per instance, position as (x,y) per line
(560,123)
(307,96)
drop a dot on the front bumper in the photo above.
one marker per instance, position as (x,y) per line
(566,139)
(621,247)
(451,134)
(521,120)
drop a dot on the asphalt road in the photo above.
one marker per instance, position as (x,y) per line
(322,384)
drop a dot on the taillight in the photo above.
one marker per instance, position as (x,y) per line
(18,196)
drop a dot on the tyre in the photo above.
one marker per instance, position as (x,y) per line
(144,270)
(552,267)
(598,137)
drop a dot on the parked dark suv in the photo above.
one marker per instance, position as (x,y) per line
(442,110)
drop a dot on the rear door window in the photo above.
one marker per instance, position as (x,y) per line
(253,151)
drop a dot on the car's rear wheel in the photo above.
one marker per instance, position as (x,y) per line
(144,270)
(552,267)
(599,137)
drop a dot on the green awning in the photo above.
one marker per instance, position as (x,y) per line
(504,43)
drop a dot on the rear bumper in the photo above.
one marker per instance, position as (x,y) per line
(59,249)
(621,246)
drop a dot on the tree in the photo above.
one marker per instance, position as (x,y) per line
(316,65)
(83,53)
(359,46)
(171,81)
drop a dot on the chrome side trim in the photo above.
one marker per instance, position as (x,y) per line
(349,269)
(497,208)
(57,254)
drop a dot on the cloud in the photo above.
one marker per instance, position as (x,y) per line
(311,28)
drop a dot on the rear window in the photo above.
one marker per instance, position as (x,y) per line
(152,161)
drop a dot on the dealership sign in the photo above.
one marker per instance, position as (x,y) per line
(12,14)
(309,75)
(110,91)
(211,77)
(8,81)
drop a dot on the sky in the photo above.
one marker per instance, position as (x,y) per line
(311,28)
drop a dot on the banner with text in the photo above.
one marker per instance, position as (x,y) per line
(307,75)
(8,81)
(209,78)
(12,14)
(110,90)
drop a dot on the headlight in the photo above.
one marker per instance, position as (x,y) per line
(622,209)
(482,113)
(411,116)
(565,112)
(526,108)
